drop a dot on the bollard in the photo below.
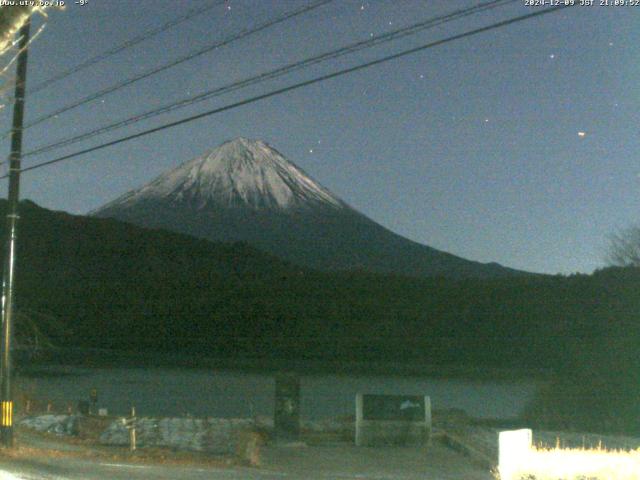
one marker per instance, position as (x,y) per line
(132,439)
(49,406)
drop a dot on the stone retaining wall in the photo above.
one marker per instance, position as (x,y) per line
(213,435)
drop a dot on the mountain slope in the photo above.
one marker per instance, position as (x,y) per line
(247,191)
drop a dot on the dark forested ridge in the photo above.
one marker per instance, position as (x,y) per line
(99,283)
(114,285)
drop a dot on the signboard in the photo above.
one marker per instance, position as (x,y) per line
(393,407)
(392,419)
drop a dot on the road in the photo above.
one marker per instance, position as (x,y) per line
(340,462)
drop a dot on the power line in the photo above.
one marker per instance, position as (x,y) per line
(299,85)
(354,47)
(237,36)
(124,46)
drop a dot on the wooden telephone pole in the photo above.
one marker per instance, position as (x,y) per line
(6,398)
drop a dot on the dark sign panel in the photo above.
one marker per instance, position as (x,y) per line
(393,407)
(287,406)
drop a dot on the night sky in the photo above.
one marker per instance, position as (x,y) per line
(519,145)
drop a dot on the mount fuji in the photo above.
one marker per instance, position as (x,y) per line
(246,191)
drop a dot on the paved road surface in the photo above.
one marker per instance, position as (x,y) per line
(344,462)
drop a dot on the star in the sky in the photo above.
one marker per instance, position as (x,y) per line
(311,150)
(552,56)
(421,75)
(582,134)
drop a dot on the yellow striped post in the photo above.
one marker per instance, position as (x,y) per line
(7,413)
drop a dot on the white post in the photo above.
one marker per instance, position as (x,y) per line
(427,417)
(513,447)
(359,417)
(132,430)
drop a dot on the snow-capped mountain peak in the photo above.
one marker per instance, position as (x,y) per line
(239,173)
(246,191)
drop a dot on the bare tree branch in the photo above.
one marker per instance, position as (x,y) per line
(624,248)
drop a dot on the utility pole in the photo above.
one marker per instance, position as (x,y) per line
(6,398)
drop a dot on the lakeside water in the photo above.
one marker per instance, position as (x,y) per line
(225,393)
